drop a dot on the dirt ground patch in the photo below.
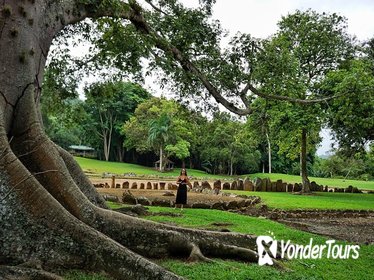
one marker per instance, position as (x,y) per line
(192,197)
(355,226)
(354,229)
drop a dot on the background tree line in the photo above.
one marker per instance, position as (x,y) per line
(123,122)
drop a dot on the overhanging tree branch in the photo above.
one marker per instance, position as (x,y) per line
(189,66)
(156,8)
(287,98)
(133,12)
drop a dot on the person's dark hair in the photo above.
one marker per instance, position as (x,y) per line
(185,171)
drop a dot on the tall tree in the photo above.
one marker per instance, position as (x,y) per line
(350,116)
(109,105)
(181,150)
(166,123)
(227,144)
(47,204)
(61,109)
(159,134)
(258,122)
(307,46)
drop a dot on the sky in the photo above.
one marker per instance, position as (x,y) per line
(259,18)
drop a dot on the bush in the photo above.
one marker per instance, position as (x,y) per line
(366,177)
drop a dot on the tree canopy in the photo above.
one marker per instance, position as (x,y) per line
(351,115)
(49,210)
(108,106)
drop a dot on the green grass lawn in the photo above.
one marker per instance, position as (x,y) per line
(320,200)
(361,268)
(99,167)
(306,269)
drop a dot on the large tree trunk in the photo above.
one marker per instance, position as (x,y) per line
(231,166)
(161,159)
(303,167)
(106,146)
(120,154)
(269,151)
(120,150)
(191,163)
(50,214)
(106,135)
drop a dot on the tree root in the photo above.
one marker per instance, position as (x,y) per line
(68,201)
(25,273)
(196,255)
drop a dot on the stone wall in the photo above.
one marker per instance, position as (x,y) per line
(238,202)
(258,184)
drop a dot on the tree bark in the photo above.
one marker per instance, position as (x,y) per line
(231,166)
(106,147)
(269,151)
(50,213)
(120,152)
(161,161)
(106,134)
(303,167)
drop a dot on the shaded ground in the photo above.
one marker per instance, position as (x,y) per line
(356,226)
(354,229)
(192,197)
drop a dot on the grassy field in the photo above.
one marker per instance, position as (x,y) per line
(99,167)
(306,269)
(324,268)
(319,200)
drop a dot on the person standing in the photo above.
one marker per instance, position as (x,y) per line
(182,181)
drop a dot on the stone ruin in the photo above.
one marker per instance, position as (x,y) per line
(258,184)
(244,202)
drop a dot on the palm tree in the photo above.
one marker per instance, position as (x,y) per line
(158,134)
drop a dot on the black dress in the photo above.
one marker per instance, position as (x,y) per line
(182,192)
